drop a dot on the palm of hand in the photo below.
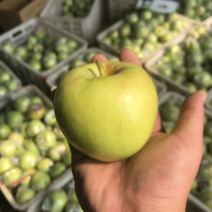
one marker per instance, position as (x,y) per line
(153,175)
(157,178)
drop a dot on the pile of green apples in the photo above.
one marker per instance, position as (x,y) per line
(202,186)
(145,31)
(81,60)
(61,200)
(198,10)
(76,8)
(41,51)
(189,63)
(33,150)
(7,82)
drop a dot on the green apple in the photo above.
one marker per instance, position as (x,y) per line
(14,119)
(27,160)
(45,164)
(45,140)
(107,110)
(34,127)
(57,169)
(3,90)
(40,180)
(66,157)
(55,201)
(36,111)
(56,152)
(5,77)
(31,146)
(5,130)
(7,148)
(24,194)
(10,177)
(8,47)
(26,176)
(17,138)
(5,164)
(50,118)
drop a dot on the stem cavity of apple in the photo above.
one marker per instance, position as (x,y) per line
(98,63)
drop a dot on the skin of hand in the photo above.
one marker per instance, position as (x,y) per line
(158,178)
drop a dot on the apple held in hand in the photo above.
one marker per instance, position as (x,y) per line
(107,110)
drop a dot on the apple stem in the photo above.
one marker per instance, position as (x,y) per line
(98,63)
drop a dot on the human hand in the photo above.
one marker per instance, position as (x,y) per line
(158,178)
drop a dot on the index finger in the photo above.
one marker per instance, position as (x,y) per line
(99,57)
(127,55)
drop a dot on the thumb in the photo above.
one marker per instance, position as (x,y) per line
(190,123)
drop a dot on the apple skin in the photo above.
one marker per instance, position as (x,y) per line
(108,117)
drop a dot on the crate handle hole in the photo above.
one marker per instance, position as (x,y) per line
(17,34)
(162,6)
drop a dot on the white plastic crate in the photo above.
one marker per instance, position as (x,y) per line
(157,55)
(109,48)
(18,36)
(120,8)
(86,27)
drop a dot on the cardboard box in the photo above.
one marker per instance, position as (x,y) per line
(12,13)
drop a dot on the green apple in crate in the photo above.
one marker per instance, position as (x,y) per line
(198,10)
(76,8)
(7,148)
(55,201)
(7,82)
(5,164)
(41,51)
(188,63)
(144,32)
(29,133)
(106,110)
(61,200)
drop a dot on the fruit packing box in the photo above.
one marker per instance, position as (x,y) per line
(156,58)
(170,84)
(66,186)
(51,80)
(18,36)
(86,26)
(145,52)
(200,188)
(120,8)
(198,10)
(10,190)
(6,69)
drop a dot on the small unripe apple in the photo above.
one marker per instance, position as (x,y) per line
(107,110)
